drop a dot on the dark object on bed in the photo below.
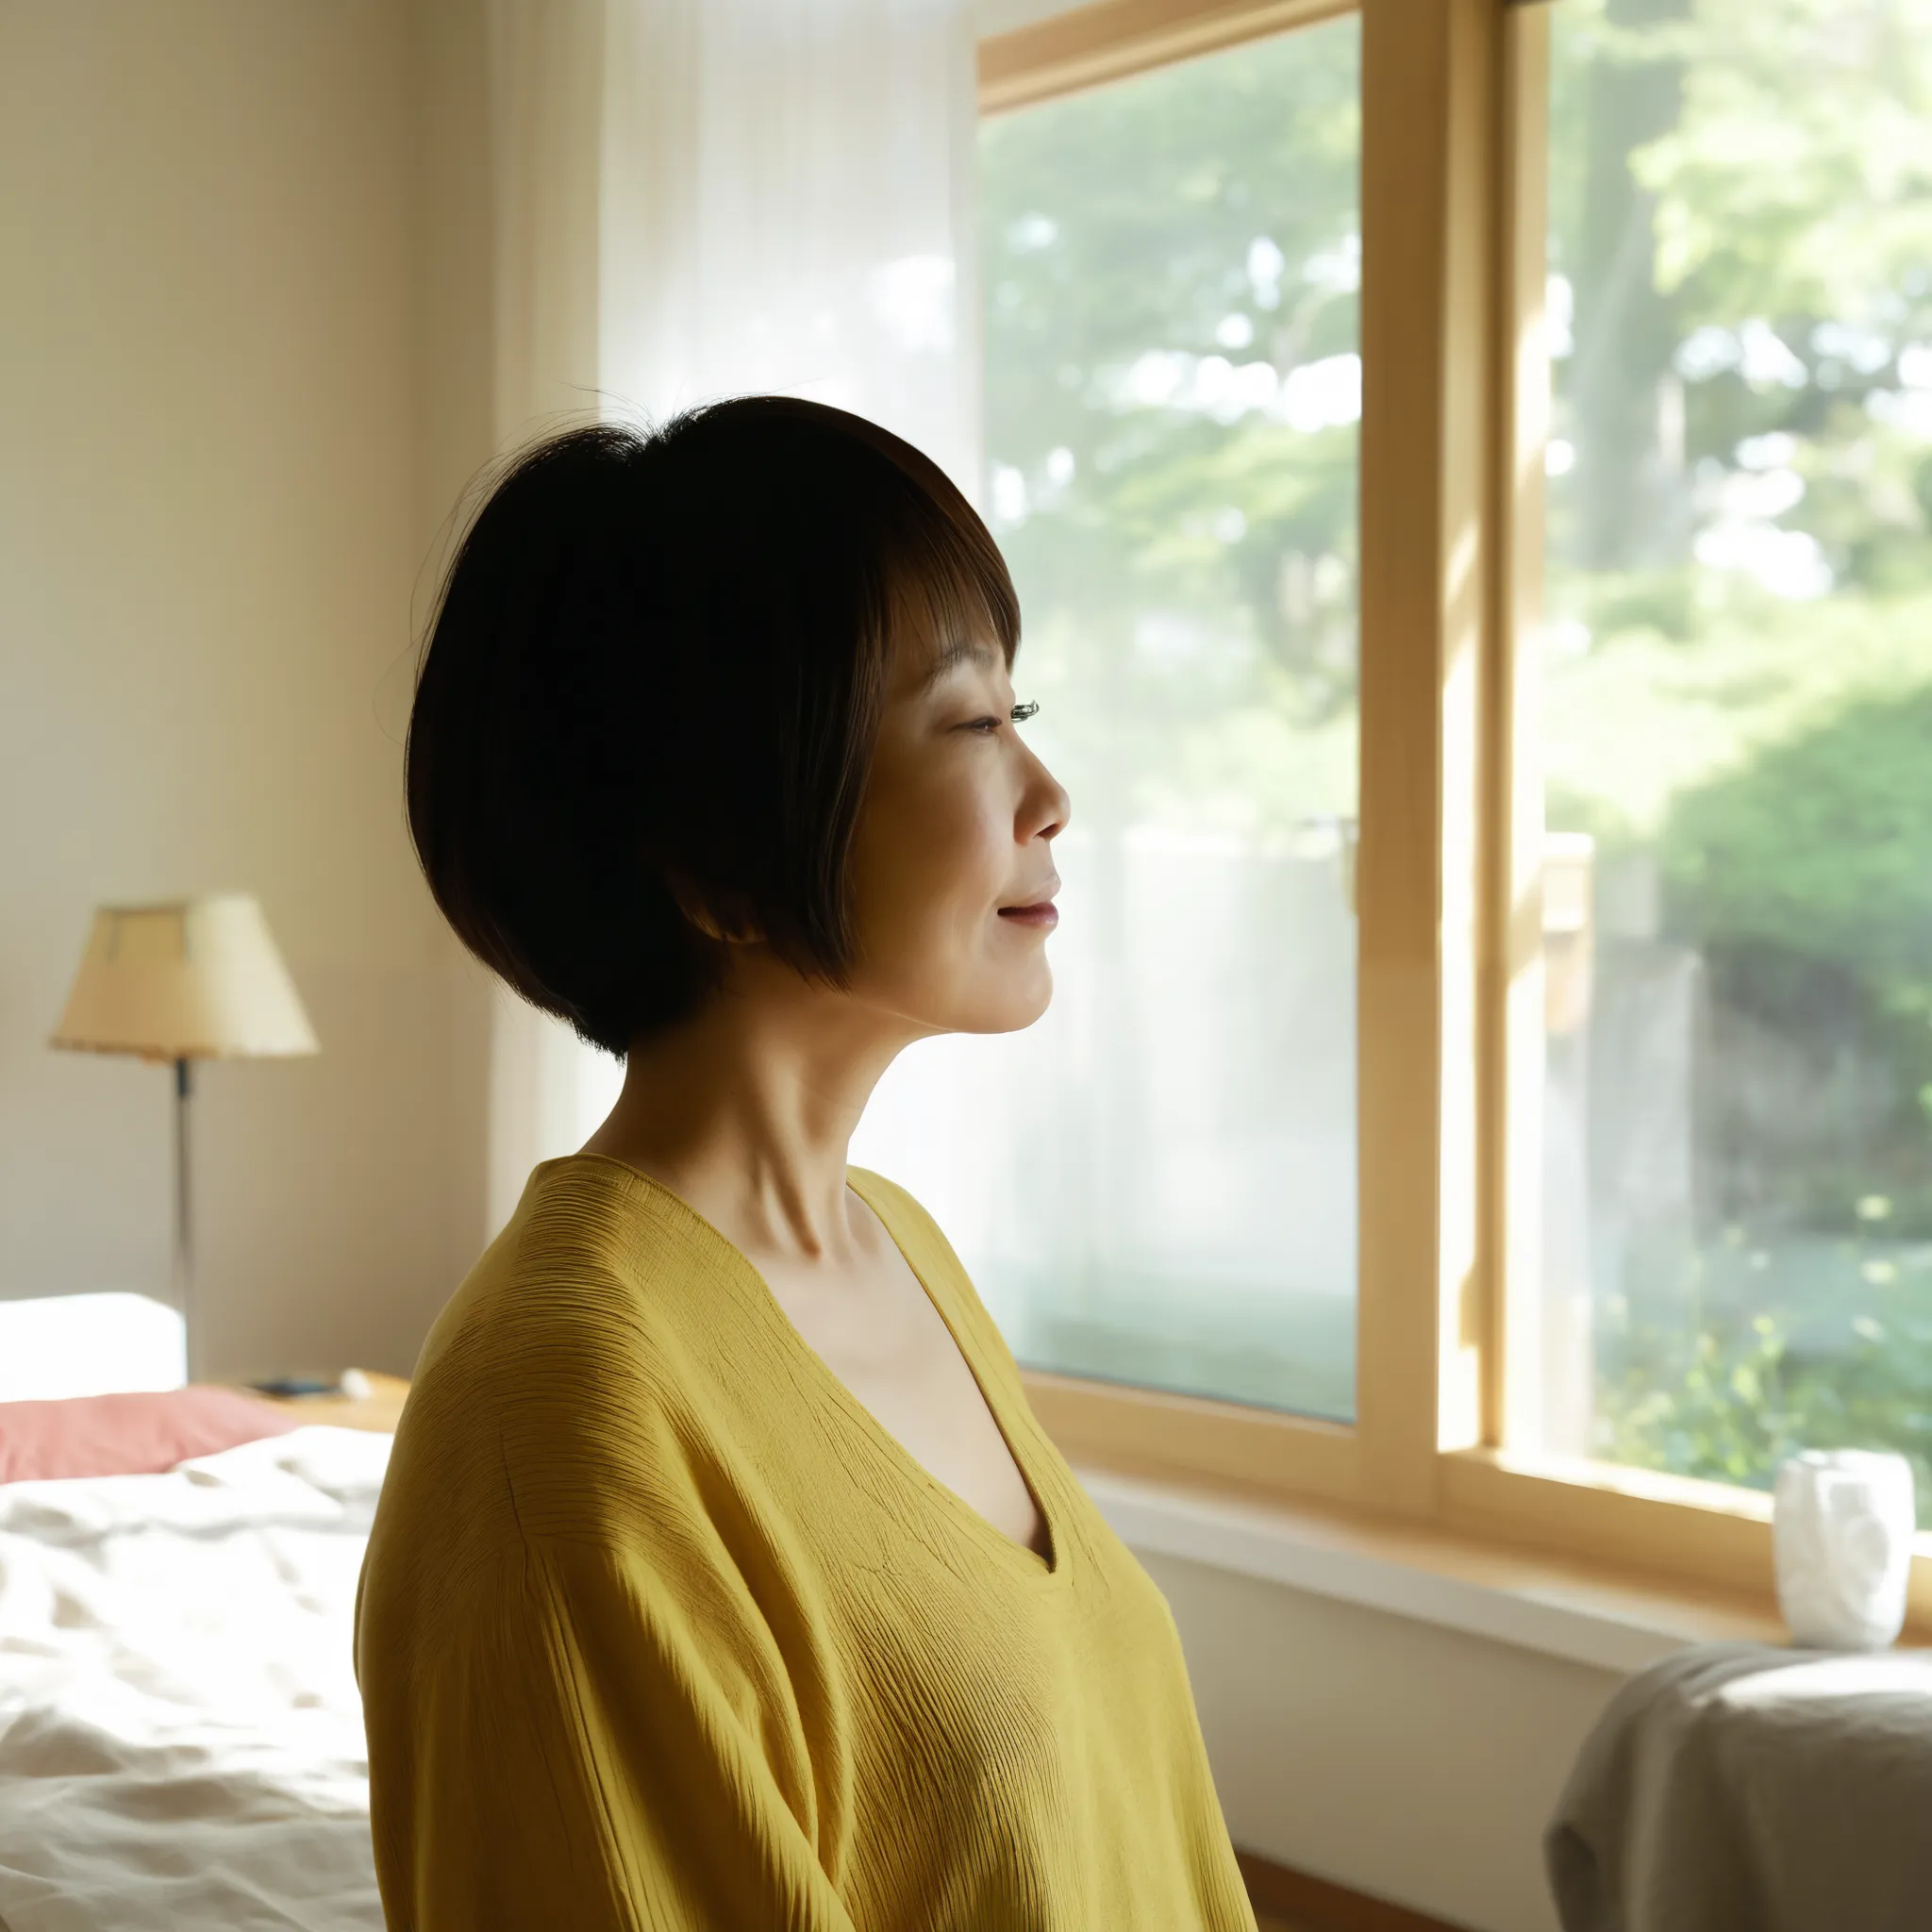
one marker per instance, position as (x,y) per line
(130,1435)
(286,1388)
(1735,1787)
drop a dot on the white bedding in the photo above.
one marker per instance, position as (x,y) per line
(180,1738)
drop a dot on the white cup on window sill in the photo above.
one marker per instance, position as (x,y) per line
(1842,1522)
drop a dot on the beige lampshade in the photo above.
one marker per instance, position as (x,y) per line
(196,979)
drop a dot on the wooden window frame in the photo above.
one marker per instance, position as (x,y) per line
(1449,895)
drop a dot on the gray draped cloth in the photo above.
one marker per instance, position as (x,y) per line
(1734,1787)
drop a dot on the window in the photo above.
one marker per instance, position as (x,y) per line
(1622,667)
(1157,1185)
(1736,661)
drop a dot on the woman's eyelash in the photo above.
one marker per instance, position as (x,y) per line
(1018,715)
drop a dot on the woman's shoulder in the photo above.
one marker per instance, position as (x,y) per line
(593,1244)
(574,1357)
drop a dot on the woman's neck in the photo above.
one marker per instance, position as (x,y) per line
(747,1110)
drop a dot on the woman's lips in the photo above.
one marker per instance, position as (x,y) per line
(1042,913)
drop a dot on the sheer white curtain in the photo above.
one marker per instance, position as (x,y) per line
(787,207)
(699,199)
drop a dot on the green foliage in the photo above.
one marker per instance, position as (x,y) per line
(1123,220)
(1707,1403)
(1820,846)
(1728,1400)
(1788,216)
(1760,731)
(1650,716)
(1781,199)
(1187,566)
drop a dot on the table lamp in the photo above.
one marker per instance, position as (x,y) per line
(189,980)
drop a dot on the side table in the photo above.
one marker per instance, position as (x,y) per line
(381,1409)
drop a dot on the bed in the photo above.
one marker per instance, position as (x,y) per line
(181,1737)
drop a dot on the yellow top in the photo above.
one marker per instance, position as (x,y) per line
(661,1628)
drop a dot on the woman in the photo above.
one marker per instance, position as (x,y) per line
(723,1579)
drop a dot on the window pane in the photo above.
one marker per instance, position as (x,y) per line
(1156,1184)
(1738,669)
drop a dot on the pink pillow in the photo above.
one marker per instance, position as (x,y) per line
(130,1435)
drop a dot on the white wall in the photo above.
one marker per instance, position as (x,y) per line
(212,517)
(1401,1759)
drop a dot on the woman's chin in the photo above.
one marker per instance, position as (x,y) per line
(1013,1008)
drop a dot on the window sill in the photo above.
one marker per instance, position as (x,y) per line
(1605,1619)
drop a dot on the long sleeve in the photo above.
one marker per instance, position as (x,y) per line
(586,1764)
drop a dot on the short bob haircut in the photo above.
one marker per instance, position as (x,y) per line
(653,690)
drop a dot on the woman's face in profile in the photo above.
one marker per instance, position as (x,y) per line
(952,871)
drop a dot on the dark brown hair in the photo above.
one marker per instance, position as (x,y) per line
(653,688)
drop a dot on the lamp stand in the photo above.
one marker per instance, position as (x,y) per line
(184,1246)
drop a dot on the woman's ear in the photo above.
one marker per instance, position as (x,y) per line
(729,925)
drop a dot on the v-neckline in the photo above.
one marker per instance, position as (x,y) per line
(1043,1569)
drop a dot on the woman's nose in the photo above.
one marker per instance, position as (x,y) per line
(1051,806)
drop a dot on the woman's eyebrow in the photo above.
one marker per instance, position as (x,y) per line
(961,651)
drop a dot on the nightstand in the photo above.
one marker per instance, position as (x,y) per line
(379,1409)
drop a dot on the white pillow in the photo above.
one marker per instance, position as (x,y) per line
(57,1345)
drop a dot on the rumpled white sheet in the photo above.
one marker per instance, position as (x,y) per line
(180,1738)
